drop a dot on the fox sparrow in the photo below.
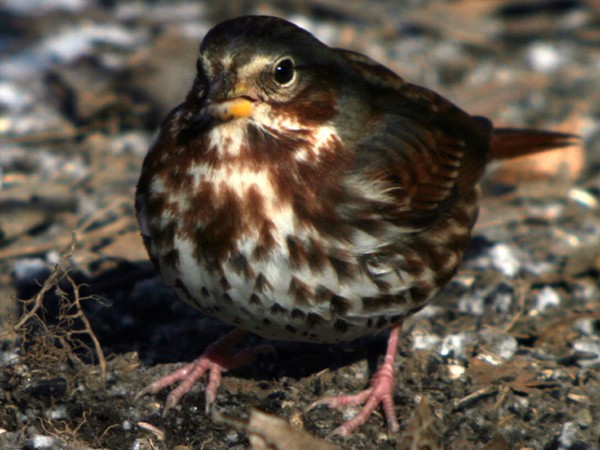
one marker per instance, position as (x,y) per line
(307,193)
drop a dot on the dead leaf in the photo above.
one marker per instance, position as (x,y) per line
(423,430)
(516,374)
(269,432)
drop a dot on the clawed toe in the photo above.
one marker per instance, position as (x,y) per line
(380,392)
(370,399)
(214,361)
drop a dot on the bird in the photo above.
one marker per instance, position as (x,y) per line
(308,193)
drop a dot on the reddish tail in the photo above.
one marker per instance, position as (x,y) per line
(512,142)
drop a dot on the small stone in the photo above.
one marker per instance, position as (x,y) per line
(546,298)
(455,371)
(505,259)
(455,345)
(27,269)
(472,304)
(233,437)
(587,351)
(502,345)
(585,326)
(544,57)
(43,442)
(58,413)
(583,197)
(425,341)
(567,435)
(583,417)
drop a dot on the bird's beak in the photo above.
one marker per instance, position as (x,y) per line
(228,99)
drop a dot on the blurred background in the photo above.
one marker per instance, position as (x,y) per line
(83,86)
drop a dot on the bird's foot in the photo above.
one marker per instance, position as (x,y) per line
(381,391)
(215,360)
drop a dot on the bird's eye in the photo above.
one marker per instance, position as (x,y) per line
(284,72)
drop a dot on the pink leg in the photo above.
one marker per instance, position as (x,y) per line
(381,391)
(215,360)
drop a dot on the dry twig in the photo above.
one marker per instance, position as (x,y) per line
(65,331)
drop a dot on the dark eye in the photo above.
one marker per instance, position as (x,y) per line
(284,71)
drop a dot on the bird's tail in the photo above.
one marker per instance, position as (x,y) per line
(513,142)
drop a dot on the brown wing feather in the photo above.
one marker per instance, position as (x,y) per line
(425,154)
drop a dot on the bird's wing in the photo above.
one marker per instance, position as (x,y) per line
(421,155)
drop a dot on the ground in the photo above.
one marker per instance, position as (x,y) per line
(506,358)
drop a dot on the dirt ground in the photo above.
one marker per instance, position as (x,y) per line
(506,358)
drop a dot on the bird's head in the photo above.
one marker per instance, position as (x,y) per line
(267,71)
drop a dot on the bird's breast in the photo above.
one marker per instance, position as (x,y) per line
(261,246)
